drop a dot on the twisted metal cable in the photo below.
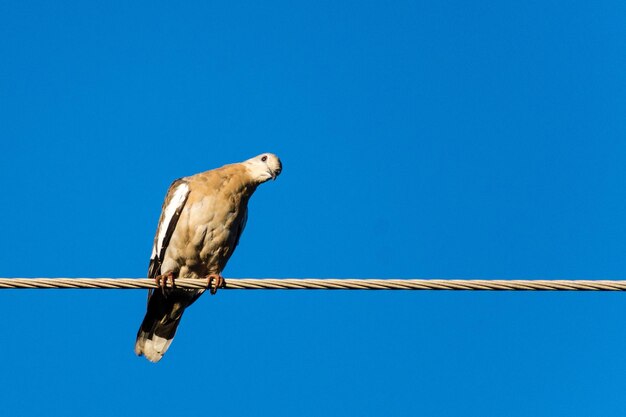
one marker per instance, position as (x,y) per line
(321,284)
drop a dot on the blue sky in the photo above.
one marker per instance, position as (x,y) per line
(418,139)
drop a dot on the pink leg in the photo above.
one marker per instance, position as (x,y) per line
(219,282)
(161,281)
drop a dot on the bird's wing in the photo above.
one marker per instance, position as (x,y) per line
(173,205)
(242,225)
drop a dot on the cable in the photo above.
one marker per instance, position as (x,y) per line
(321,284)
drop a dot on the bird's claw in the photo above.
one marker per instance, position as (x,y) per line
(219,282)
(161,281)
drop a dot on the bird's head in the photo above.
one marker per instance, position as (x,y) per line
(264,167)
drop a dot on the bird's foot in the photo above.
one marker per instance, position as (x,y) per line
(161,281)
(215,281)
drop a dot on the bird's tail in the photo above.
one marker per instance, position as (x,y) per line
(161,321)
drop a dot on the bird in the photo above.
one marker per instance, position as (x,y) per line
(201,221)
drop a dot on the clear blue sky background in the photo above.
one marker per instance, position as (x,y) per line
(419,139)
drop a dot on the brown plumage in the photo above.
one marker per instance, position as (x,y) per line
(201,222)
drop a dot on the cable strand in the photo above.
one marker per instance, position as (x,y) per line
(322,284)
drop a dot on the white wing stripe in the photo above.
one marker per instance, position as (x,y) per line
(177,200)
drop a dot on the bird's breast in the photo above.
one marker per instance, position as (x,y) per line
(206,234)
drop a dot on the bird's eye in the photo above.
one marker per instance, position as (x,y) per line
(264,158)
